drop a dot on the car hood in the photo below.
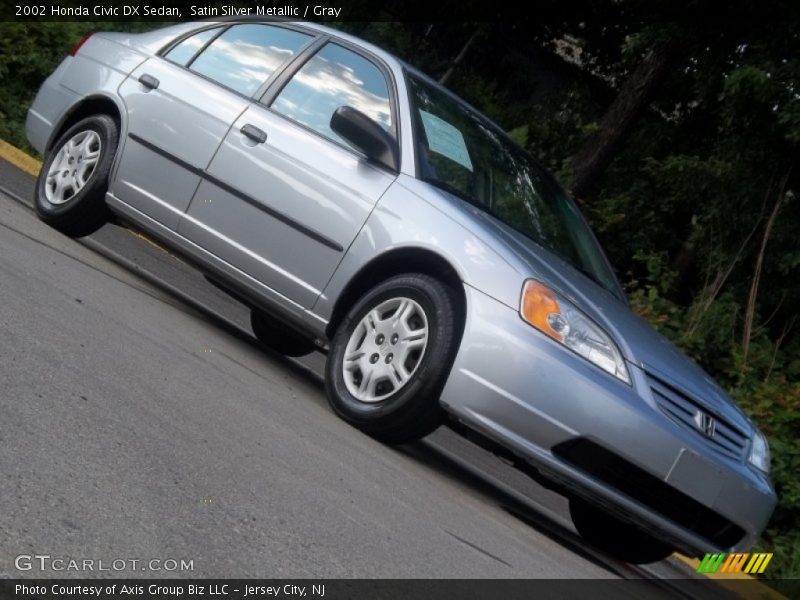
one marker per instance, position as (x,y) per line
(638,341)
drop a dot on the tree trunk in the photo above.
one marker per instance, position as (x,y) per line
(593,158)
(443,79)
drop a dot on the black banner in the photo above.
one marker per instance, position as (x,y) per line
(612,11)
(341,589)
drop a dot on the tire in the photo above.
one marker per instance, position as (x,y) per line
(78,207)
(413,318)
(279,337)
(618,538)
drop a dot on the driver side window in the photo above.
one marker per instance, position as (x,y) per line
(335,77)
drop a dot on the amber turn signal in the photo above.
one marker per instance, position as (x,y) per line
(539,306)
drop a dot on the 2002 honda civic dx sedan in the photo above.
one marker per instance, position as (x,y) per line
(347,198)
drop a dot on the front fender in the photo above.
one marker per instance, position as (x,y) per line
(411,215)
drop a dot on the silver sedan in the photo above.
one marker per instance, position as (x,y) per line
(356,205)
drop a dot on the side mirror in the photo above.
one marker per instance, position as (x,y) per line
(364,134)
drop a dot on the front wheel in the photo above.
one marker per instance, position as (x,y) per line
(71,188)
(618,538)
(390,358)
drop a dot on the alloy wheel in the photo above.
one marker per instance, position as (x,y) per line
(73,166)
(385,349)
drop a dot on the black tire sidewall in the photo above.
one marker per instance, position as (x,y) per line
(92,196)
(428,378)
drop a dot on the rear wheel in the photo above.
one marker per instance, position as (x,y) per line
(391,356)
(618,538)
(279,337)
(71,188)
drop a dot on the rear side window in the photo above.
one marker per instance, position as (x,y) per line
(183,52)
(335,77)
(244,56)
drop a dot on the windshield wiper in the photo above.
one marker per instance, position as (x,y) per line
(447,187)
(476,203)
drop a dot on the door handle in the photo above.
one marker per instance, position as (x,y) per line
(148,81)
(259,136)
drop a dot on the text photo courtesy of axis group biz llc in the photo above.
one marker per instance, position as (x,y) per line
(399,300)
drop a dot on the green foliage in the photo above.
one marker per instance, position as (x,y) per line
(29,52)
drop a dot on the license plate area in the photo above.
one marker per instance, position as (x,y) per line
(696,476)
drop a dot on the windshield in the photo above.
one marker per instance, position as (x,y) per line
(463,153)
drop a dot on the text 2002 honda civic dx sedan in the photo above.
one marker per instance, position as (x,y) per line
(346,197)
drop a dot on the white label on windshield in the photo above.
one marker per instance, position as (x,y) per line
(445,139)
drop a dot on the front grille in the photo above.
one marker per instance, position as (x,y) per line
(726,438)
(649,490)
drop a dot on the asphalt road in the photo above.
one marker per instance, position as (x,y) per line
(140,419)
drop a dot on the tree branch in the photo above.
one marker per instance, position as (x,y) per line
(753,296)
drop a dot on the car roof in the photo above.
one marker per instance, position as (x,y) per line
(392,60)
(396,64)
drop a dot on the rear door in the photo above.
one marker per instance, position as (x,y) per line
(285,195)
(181,105)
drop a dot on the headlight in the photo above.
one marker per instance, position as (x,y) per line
(759,453)
(559,319)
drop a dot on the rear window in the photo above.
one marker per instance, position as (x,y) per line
(244,56)
(183,52)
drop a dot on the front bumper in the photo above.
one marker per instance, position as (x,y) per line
(535,397)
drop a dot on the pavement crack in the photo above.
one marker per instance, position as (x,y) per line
(478,548)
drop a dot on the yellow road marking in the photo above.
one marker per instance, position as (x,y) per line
(32,166)
(20,159)
(727,580)
(152,242)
